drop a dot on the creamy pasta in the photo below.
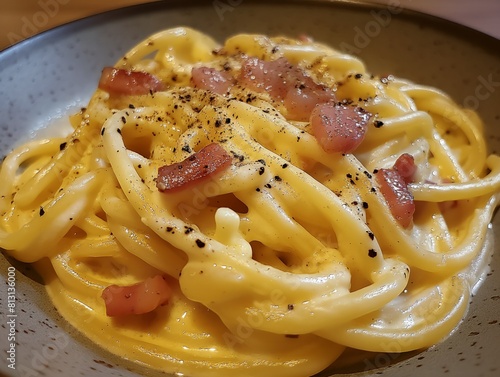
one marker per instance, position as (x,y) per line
(255,207)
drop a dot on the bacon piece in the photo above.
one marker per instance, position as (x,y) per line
(305,38)
(264,76)
(211,79)
(395,191)
(207,162)
(139,298)
(125,82)
(285,82)
(301,100)
(405,166)
(339,128)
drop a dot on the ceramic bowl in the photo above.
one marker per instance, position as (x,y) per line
(45,77)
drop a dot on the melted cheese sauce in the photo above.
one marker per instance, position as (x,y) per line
(285,259)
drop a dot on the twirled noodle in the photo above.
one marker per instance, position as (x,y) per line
(284,259)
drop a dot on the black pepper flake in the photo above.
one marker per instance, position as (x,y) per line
(375,171)
(358,76)
(124,120)
(262,169)
(277,178)
(103,130)
(62,146)
(169,229)
(119,131)
(365,205)
(42,211)
(372,253)
(284,166)
(373,189)
(267,185)
(130,106)
(367,174)
(348,175)
(290,306)
(228,120)
(371,235)
(186,148)
(257,189)
(237,156)
(262,162)
(200,243)
(218,123)
(346,101)
(378,123)
(188,229)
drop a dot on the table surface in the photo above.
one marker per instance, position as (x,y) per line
(20,19)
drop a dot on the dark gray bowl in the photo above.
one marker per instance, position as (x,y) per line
(44,77)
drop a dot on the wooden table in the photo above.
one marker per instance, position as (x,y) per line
(20,19)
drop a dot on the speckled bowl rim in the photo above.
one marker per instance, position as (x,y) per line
(429,362)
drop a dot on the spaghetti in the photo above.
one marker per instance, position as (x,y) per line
(255,207)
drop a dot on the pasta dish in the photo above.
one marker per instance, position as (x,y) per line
(254,208)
